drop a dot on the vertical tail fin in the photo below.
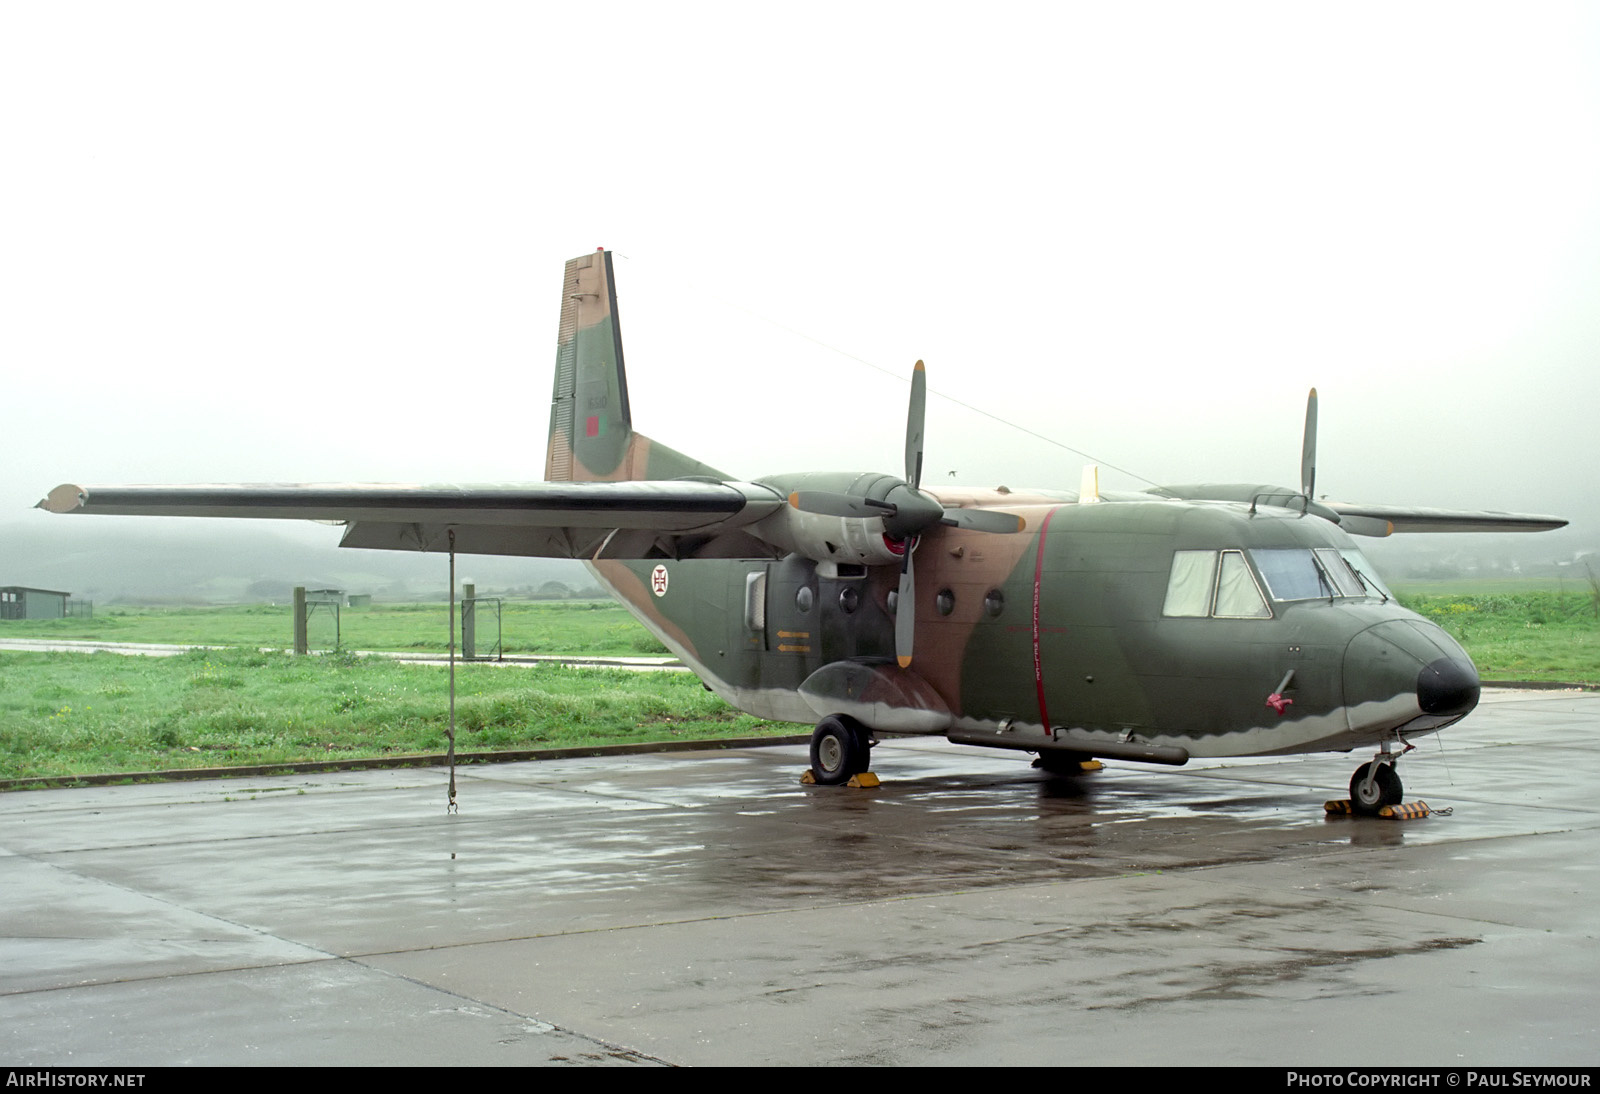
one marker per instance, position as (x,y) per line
(591,425)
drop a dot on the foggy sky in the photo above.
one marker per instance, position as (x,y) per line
(313,242)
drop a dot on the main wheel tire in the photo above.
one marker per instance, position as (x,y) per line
(839,749)
(1385,788)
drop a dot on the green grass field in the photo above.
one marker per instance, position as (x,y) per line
(597,627)
(65,714)
(1520,635)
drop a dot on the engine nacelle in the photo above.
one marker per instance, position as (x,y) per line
(861,533)
(829,539)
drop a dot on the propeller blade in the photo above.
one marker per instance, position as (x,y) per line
(1308,448)
(825,503)
(984,520)
(914,422)
(905,619)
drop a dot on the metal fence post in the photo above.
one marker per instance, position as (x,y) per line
(300,619)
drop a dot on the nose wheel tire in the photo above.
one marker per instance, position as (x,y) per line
(839,749)
(1384,789)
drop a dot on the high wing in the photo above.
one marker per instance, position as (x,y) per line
(1365,520)
(545,519)
(1383,520)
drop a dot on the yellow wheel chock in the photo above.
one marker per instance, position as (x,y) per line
(1407,811)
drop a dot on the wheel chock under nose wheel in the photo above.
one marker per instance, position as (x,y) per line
(1406,811)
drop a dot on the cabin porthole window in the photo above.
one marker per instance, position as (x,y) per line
(945,602)
(803,598)
(994,603)
(849,600)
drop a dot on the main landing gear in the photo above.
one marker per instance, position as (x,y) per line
(841,747)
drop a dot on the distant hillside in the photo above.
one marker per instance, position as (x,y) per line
(1559,555)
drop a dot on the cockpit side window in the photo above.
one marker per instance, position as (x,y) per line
(1238,597)
(1190,584)
(1213,583)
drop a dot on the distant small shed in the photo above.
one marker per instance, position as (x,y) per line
(21,602)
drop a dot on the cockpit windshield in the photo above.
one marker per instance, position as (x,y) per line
(1365,573)
(1322,572)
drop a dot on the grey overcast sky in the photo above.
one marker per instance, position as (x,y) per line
(322,241)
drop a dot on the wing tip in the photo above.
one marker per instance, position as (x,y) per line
(63,499)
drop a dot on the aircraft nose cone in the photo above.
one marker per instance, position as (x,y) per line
(1447,686)
(1407,674)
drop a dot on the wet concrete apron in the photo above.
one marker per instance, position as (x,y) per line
(704,908)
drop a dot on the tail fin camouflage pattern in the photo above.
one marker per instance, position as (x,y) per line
(591,427)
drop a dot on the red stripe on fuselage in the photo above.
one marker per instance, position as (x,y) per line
(1038,666)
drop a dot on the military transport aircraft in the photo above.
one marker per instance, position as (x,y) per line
(1205,620)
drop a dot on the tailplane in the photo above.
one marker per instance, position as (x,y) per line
(591,424)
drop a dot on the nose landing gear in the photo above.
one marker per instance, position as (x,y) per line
(1376,783)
